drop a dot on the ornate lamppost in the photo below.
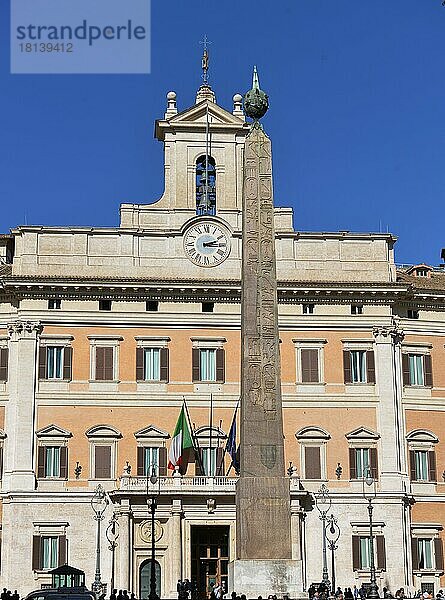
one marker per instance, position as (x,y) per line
(99,503)
(323,502)
(332,533)
(112,534)
(369,495)
(153,480)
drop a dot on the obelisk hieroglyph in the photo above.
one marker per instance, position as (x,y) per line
(263,562)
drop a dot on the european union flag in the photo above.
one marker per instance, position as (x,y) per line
(231,444)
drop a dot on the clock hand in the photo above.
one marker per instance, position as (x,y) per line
(212,245)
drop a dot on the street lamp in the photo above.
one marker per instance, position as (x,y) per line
(99,503)
(153,480)
(332,535)
(370,482)
(112,534)
(323,502)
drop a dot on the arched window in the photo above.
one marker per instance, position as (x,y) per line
(205,186)
(144,579)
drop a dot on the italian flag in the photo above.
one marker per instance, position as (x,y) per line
(181,446)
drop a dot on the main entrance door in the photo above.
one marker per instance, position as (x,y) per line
(144,579)
(210,557)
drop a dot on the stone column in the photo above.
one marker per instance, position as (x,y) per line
(20,414)
(295,528)
(175,545)
(123,577)
(390,415)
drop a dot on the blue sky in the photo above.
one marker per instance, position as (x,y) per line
(357,116)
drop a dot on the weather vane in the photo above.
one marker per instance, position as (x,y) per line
(205,60)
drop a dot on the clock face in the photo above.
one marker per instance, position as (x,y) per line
(207,244)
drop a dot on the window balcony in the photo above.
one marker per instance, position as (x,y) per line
(173,484)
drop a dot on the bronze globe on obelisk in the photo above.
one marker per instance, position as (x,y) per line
(264,564)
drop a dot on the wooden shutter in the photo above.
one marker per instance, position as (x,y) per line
(104,363)
(42,362)
(415,554)
(352,464)
(370,366)
(312,466)
(63,462)
(347,373)
(198,462)
(220,374)
(428,370)
(67,362)
(195,365)
(432,466)
(405,369)
(4,364)
(355,553)
(140,469)
(219,462)
(36,552)
(164,364)
(62,550)
(100,362)
(102,463)
(41,455)
(438,551)
(374,462)
(309,365)
(162,462)
(381,552)
(140,353)
(412,465)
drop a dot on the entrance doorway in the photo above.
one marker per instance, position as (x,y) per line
(144,579)
(210,557)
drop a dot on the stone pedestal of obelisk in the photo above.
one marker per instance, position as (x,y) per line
(264,563)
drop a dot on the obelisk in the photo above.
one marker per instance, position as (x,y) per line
(263,562)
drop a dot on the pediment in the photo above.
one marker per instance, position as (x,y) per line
(422,435)
(103,431)
(312,432)
(198,114)
(204,432)
(362,433)
(53,431)
(151,432)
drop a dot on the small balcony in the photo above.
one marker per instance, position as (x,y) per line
(174,484)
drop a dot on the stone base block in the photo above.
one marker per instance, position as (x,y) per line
(258,577)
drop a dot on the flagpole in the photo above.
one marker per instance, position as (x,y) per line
(221,464)
(194,438)
(225,447)
(210,432)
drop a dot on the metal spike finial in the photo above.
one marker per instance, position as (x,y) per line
(255,79)
(256,102)
(205,60)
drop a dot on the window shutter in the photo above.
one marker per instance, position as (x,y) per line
(4,364)
(102,462)
(370,366)
(140,352)
(220,375)
(405,369)
(164,364)
(428,368)
(198,462)
(162,462)
(67,362)
(62,550)
(355,553)
(108,367)
(63,463)
(36,546)
(431,466)
(347,366)
(374,462)
(195,364)
(309,365)
(104,363)
(140,469)
(352,464)
(438,551)
(219,462)
(415,554)
(412,465)
(381,552)
(100,362)
(1,466)
(42,362)
(41,454)
(312,462)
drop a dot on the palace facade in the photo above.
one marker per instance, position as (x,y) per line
(105,331)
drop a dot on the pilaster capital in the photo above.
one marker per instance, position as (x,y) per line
(388,334)
(176,507)
(24,329)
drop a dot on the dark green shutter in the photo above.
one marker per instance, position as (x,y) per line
(140,355)
(428,370)
(220,374)
(67,362)
(163,461)
(140,470)
(42,362)
(4,364)
(352,464)
(63,462)
(347,373)
(164,364)
(381,552)
(36,552)
(355,553)
(195,365)
(370,366)
(41,456)
(405,369)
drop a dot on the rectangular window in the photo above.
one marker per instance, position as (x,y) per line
(152,305)
(49,552)
(356,309)
(54,362)
(102,462)
(309,365)
(152,364)
(413,314)
(4,354)
(151,461)
(421,458)
(208,307)
(358,366)
(151,457)
(425,550)
(105,363)
(207,364)
(308,309)
(209,461)
(105,304)
(365,552)
(312,462)
(54,303)
(52,461)
(362,462)
(416,369)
